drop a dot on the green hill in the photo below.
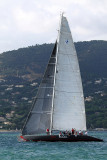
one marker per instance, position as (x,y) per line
(21,72)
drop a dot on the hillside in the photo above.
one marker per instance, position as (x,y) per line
(21,72)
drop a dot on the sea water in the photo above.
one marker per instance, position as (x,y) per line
(11,149)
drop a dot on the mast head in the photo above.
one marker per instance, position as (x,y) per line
(62,13)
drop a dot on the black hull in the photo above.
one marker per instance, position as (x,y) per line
(56,138)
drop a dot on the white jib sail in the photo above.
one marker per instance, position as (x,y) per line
(68,104)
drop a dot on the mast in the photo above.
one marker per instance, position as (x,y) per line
(61,15)
(53,90)
(53,100)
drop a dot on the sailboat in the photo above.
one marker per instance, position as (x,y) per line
(59,104)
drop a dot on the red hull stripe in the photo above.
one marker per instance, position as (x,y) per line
(23,138)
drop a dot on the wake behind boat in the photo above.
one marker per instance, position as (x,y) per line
(59,104)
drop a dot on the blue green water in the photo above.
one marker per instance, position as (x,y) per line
(11,149)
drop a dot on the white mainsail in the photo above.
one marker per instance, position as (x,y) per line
(68,103)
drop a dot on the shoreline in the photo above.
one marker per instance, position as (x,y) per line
(19,131)
(3,130)
(98,129)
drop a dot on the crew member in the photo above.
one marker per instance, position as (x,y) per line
(60,134)
(72,131)
(80,132)
(86,133)
(47,130)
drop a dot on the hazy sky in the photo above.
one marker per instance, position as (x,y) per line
(28,22)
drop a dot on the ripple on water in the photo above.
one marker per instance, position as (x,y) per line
(11,149)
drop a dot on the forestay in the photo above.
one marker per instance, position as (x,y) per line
(69,108)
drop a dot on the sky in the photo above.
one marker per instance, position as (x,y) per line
(25,23)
